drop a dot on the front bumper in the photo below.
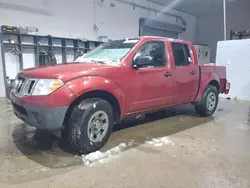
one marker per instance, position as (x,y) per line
(50,119)
(43,112)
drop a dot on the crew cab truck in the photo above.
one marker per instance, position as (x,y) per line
(86,98)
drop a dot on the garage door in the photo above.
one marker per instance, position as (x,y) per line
(155,28)
(148,31)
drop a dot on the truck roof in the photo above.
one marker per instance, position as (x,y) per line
(161,38)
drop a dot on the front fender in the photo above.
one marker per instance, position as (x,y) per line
(206,78)
(80,86)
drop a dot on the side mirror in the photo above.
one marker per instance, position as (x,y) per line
(142,61)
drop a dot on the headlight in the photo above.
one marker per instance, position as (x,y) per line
(46,86)
(15,82)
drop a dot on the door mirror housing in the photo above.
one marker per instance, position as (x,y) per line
(142,61)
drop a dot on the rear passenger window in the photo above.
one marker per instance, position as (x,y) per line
(181,54)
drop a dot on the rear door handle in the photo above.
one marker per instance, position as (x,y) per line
(193,72)
(167,74)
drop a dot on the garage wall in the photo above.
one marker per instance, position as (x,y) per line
(210,27)
(76,18)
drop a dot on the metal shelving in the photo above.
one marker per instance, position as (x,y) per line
(17,44)
(240,34)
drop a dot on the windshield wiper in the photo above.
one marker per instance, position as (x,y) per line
(95,61)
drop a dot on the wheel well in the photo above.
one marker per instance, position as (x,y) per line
(109,97)
(215,84)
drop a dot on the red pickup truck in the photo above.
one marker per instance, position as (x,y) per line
(123,77)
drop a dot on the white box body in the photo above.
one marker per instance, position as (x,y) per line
(235,55)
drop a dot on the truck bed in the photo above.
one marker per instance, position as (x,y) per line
(219,70)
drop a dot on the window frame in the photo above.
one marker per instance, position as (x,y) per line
(187,62)
(165,55)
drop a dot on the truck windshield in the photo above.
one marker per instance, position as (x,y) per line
(111,52)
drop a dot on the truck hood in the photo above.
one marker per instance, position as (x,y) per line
(67,71)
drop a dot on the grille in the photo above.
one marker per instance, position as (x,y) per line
(24,86)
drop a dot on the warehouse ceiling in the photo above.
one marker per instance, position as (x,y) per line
(199,7)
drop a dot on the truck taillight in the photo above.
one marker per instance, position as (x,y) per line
(227,89)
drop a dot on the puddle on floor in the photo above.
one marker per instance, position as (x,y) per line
(52,152)
(156,125)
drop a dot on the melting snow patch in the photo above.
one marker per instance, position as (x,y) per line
(103,156)
(159,142)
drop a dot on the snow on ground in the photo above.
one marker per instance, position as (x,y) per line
(158,142)
(101,157)
(104,156)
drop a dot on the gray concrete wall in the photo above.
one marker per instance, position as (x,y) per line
(76,18)
(210,27)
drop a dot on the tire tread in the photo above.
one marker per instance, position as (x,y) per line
(75,123)
(201,109)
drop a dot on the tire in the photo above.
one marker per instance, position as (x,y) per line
(207,107)
(83,117)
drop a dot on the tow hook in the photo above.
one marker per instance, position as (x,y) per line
(138,116)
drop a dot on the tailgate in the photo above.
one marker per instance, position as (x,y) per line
(219,70)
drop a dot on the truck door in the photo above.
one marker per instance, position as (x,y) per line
(150,80)
(185,73)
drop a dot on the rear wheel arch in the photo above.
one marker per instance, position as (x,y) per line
(202,108)
(209,82)
(213,80)
(216,84)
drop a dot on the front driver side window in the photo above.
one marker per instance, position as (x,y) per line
(155,50)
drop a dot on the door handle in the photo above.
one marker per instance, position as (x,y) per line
(167,74)
(193,72)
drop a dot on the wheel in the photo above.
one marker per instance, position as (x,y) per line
(209,102)
(90,125)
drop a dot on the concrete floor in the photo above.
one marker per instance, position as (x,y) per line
(207,152)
